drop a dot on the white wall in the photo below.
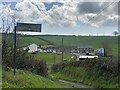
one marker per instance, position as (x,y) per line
(33,48)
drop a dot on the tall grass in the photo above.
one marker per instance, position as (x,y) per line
(25,79)
(100,73)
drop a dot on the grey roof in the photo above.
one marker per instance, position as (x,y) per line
(85,47)
(69,47)
(100,50)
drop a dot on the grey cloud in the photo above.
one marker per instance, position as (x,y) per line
(88,7)
(100,13)
(110,23)
(113,9)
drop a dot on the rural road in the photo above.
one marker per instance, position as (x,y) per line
(78,84)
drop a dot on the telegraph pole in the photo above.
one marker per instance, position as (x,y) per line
(54,58)
(62,49)
(54,55)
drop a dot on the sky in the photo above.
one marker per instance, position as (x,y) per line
(68,17)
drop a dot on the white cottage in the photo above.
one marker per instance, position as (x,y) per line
(33,48)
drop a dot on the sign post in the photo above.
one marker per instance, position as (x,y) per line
(14,56)
(23,27)
(28,27)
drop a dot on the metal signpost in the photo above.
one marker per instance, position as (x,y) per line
(23,27)
(29,27)
(14,55)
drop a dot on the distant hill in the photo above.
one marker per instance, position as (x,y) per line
(25,41)
(94,41)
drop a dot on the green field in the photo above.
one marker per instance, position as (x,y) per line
(49,57)
(25,41)
(94,41)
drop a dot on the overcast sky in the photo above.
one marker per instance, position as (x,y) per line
(66,16)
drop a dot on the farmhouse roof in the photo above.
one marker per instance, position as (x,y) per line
(33,44)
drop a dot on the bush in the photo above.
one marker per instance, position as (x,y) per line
(58,67)
(7,55)
(25,62)
(105,66)
(41,68)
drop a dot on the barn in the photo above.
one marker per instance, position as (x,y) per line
(33,48)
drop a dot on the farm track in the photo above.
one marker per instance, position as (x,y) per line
(78,84)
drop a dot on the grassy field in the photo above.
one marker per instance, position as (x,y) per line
(25,41)
(95,41)
(25,79)
(49,57)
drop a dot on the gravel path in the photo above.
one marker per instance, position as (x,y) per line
(78,84)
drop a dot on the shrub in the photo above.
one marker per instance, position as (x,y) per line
(41,68)
(58,67)
(105,66)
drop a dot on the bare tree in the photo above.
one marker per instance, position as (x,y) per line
(7,19)
(8,22)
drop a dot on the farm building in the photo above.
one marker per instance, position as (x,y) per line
(72,49)
(86,49)
(99,52)
(83,57)
(47,46)
(33,48)
(66,49)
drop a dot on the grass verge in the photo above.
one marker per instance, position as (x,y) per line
(25,79)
